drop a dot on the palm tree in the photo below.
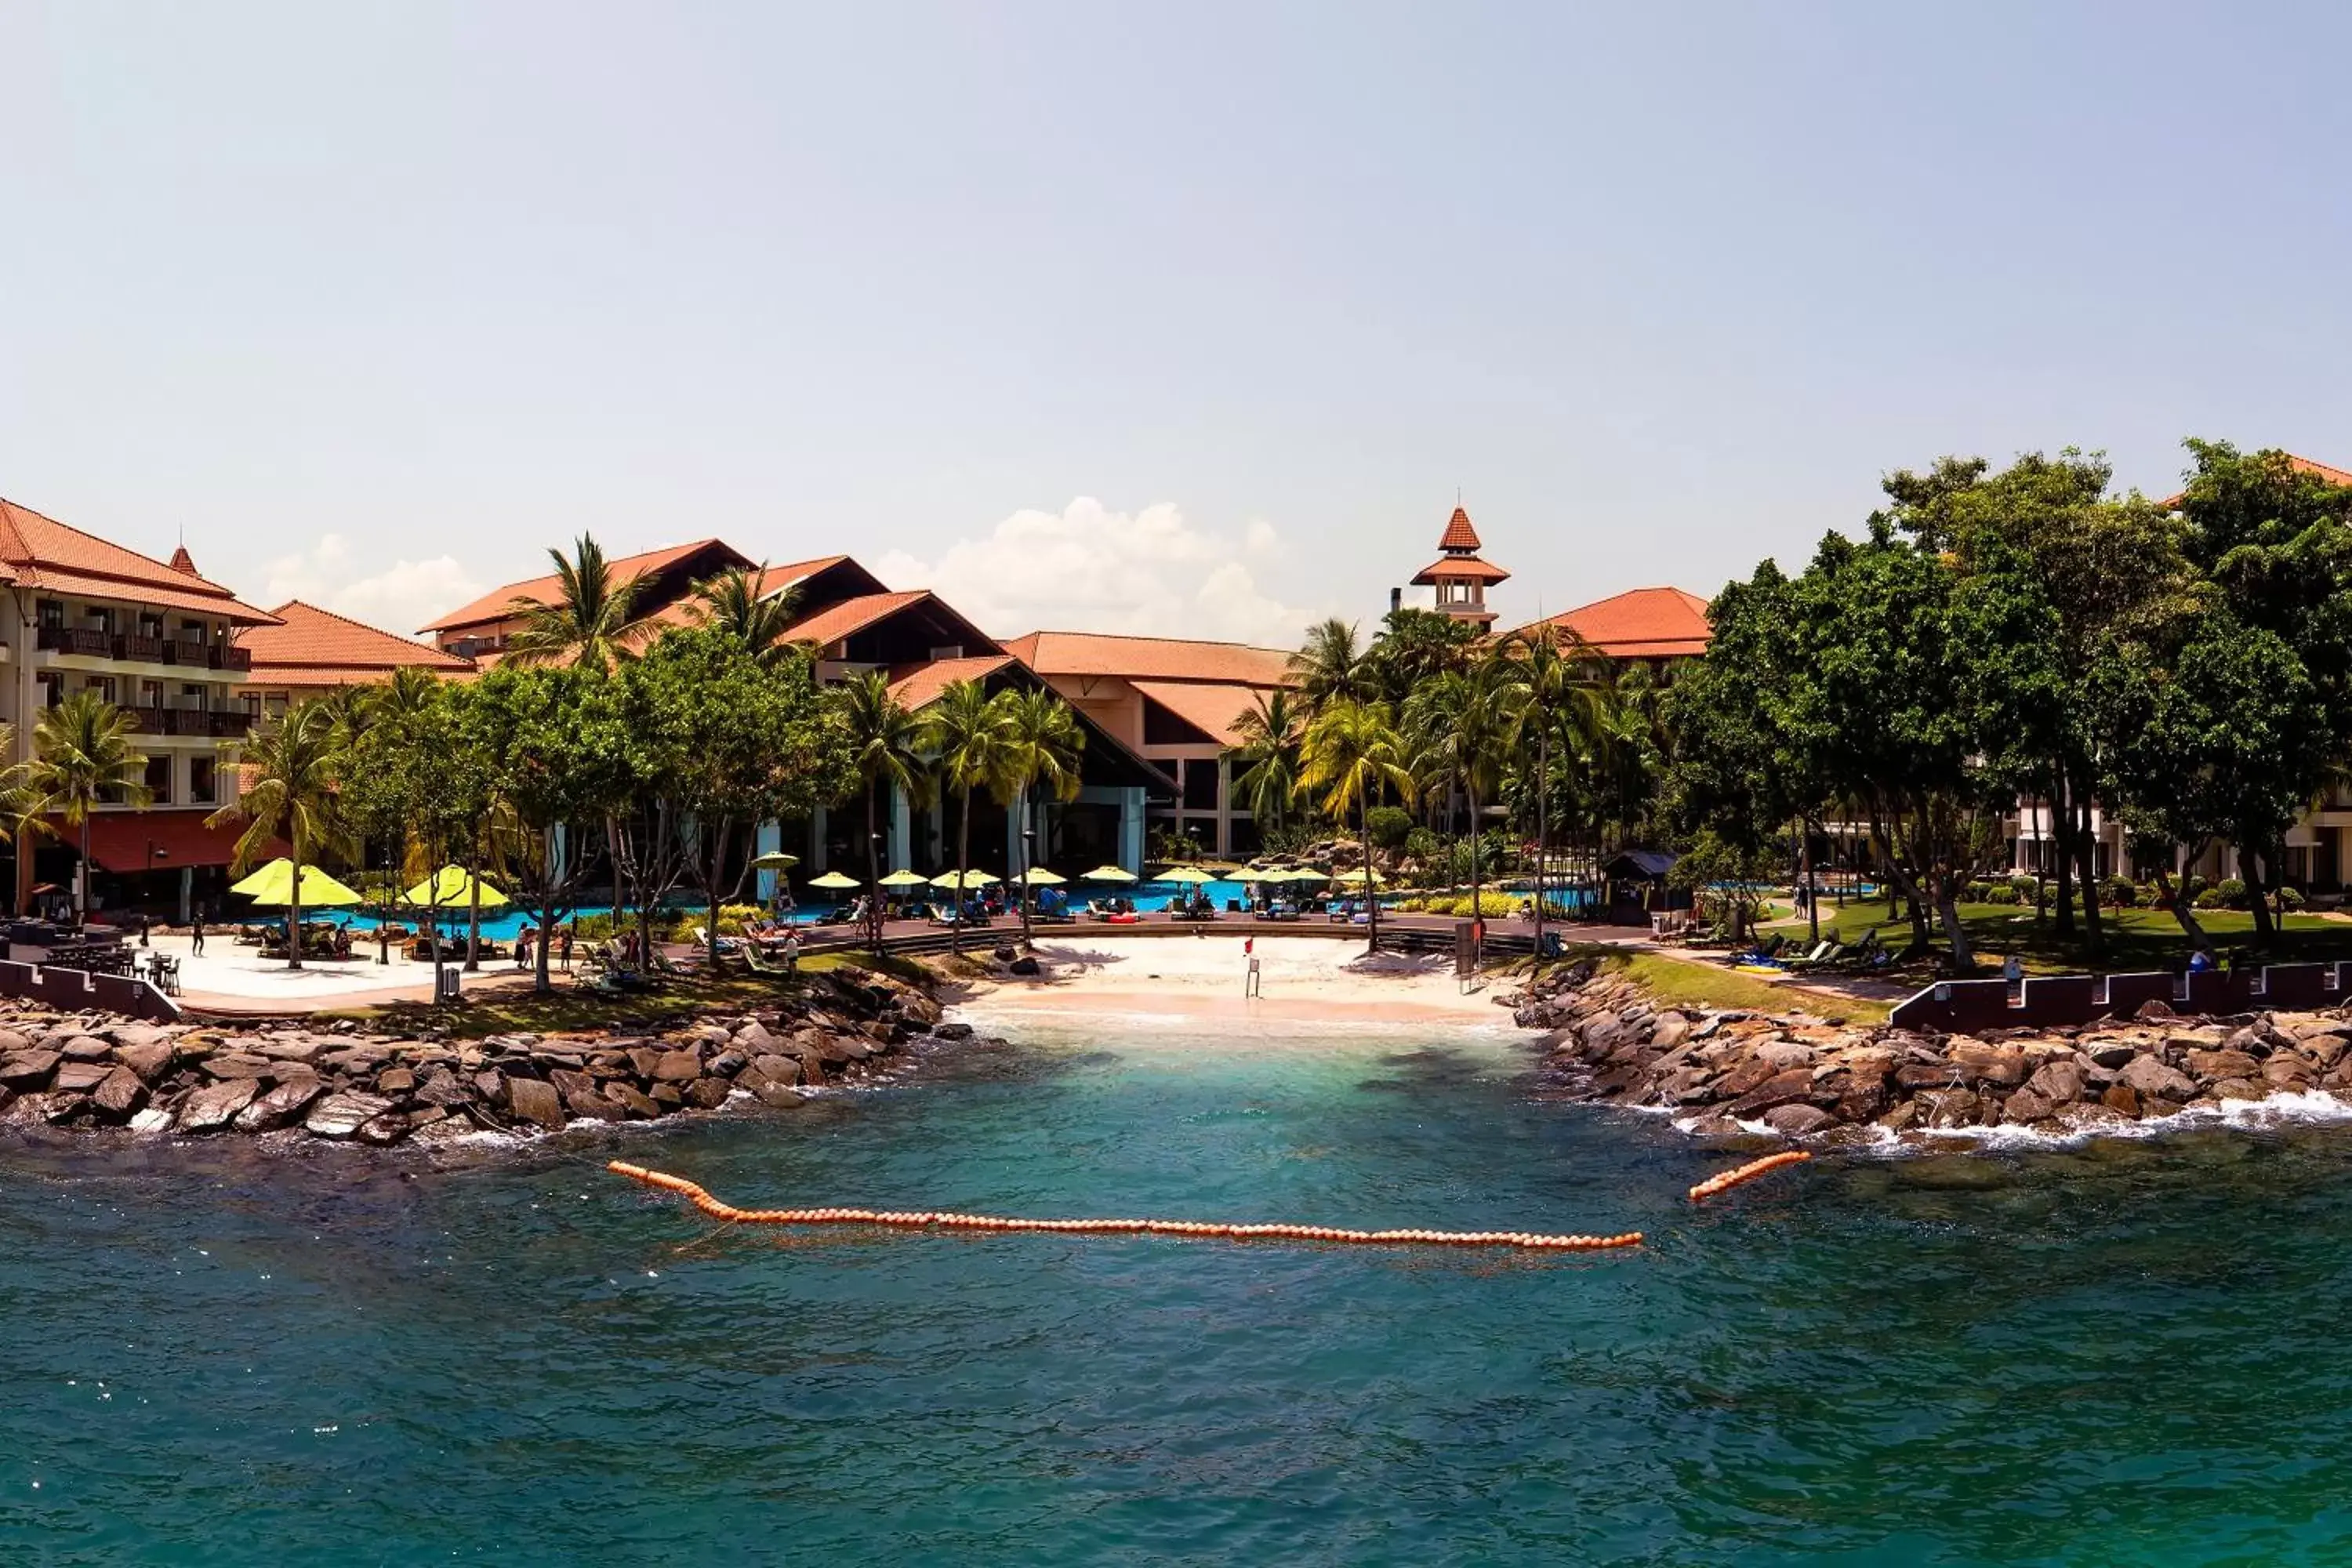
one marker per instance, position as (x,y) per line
(83,756)
(411,689)
(1556,678)
(965,730)
(1268,752)
(1460,725)
(737,602)
(1043,740)
(293,764)
(885,744)
(1352,755)
(593,621)
(1331,666)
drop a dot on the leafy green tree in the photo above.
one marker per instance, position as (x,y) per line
(885,751)
(1557,697)
(294,766)
(1350,757)
(594,621)
(965,730)
(1415,647)
(84,756)
(1043,743)
(1458,725)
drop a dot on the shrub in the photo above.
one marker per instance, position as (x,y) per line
(2148,896)
(2025,887)
(2289,899)
(2230,893)
(1422,844)
(2001,893)
(2118,893)
(1391,825)
(1978,892)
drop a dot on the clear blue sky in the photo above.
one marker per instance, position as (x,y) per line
(375,302)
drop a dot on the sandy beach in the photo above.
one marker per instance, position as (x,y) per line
(1206,975)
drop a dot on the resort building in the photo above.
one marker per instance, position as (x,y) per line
(1458,576)
(311,651)
(855,622)
(1656,626)
(1174,702)
(157,639)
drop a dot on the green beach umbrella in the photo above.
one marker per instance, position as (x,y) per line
(970,880)
(318,890)
(902,877)
(833,881)
(451,889)
(774,861)
(1108,874)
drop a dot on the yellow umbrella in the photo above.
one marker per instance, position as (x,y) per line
(1188,875)
(318,890)
(1358,877)
(1108,874)
(833,881)
(903,877)
(971,879)
(259,880)
(1038,876)
(452,889)
(774,861)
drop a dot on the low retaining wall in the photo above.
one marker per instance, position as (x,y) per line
(1960,1006)
(71,990)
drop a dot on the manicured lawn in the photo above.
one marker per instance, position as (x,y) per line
(2135,939)
(1682,983)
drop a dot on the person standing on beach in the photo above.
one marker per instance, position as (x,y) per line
(197,932)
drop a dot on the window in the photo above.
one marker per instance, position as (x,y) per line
(52,613)
(1199,783)
(53,687)
(200,781)
(159,780)
(191,631)
(252,700)
(150,624)
(276,704)
(150,694)
(99,618)
(192,697)
(104,686)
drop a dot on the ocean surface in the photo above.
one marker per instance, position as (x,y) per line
(2132,1352)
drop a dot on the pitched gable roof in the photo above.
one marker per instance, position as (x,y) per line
(1099,654)
(39,551)
(2300,465)
(312,647)
(497,603)
(1641,623)
(917,686)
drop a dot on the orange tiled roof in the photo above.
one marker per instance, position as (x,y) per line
(1641,623)
(41,552)
(497,605)
(1459,569)
(1083,654)
(917,686)
(1458,534)
(312,647)
(1215,709)
(2300,465)
(835,622)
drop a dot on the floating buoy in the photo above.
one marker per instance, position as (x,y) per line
(1523,1240)
(1747,1172)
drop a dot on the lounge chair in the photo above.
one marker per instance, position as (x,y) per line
(1822,956)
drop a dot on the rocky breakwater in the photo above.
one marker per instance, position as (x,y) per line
(98,1071)
(1801,1076)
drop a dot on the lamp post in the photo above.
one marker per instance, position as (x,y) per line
(874,889)
(146,869)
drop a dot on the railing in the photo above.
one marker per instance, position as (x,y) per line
(90,643)
(220,723)
(138,646)
(86,640)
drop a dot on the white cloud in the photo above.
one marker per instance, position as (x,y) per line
(1087,568)
(399,599)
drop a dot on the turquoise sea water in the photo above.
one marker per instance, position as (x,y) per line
(2129,1355)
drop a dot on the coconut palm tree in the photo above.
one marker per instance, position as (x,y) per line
(1459,728)
(1043,740)
(738,603)
(84,756)
(1556,682)
(1352,755)
(1268,752)
(594,620)
(966,731)
(886,747)
(1332,667)
(293,764)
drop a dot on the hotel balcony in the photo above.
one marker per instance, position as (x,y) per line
(87,642)
(218,724)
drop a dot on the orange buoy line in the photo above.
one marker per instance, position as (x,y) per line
(928,1219)
(1747,1172)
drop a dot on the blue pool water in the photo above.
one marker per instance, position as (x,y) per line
(2129,1354)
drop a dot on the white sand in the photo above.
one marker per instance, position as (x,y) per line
(232,972)
(1204,975)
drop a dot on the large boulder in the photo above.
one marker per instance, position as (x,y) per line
(2214,1066)
(678,1067)
(75,1077)
(149,1059)
(120,1094)
(1799,1120)
(339,1115)
(28,1070)
(1783,1055)
(1781,1088)
(2147,1075)
(2000,1065)
(215,1105)
(2059,1082)
(535,1102)
(86,1048)
(2026,1105)
(1670,1030)
(282,1106)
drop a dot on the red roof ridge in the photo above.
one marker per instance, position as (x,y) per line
(498,602)
(23,552)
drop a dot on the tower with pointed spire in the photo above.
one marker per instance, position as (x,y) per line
(1460,577)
